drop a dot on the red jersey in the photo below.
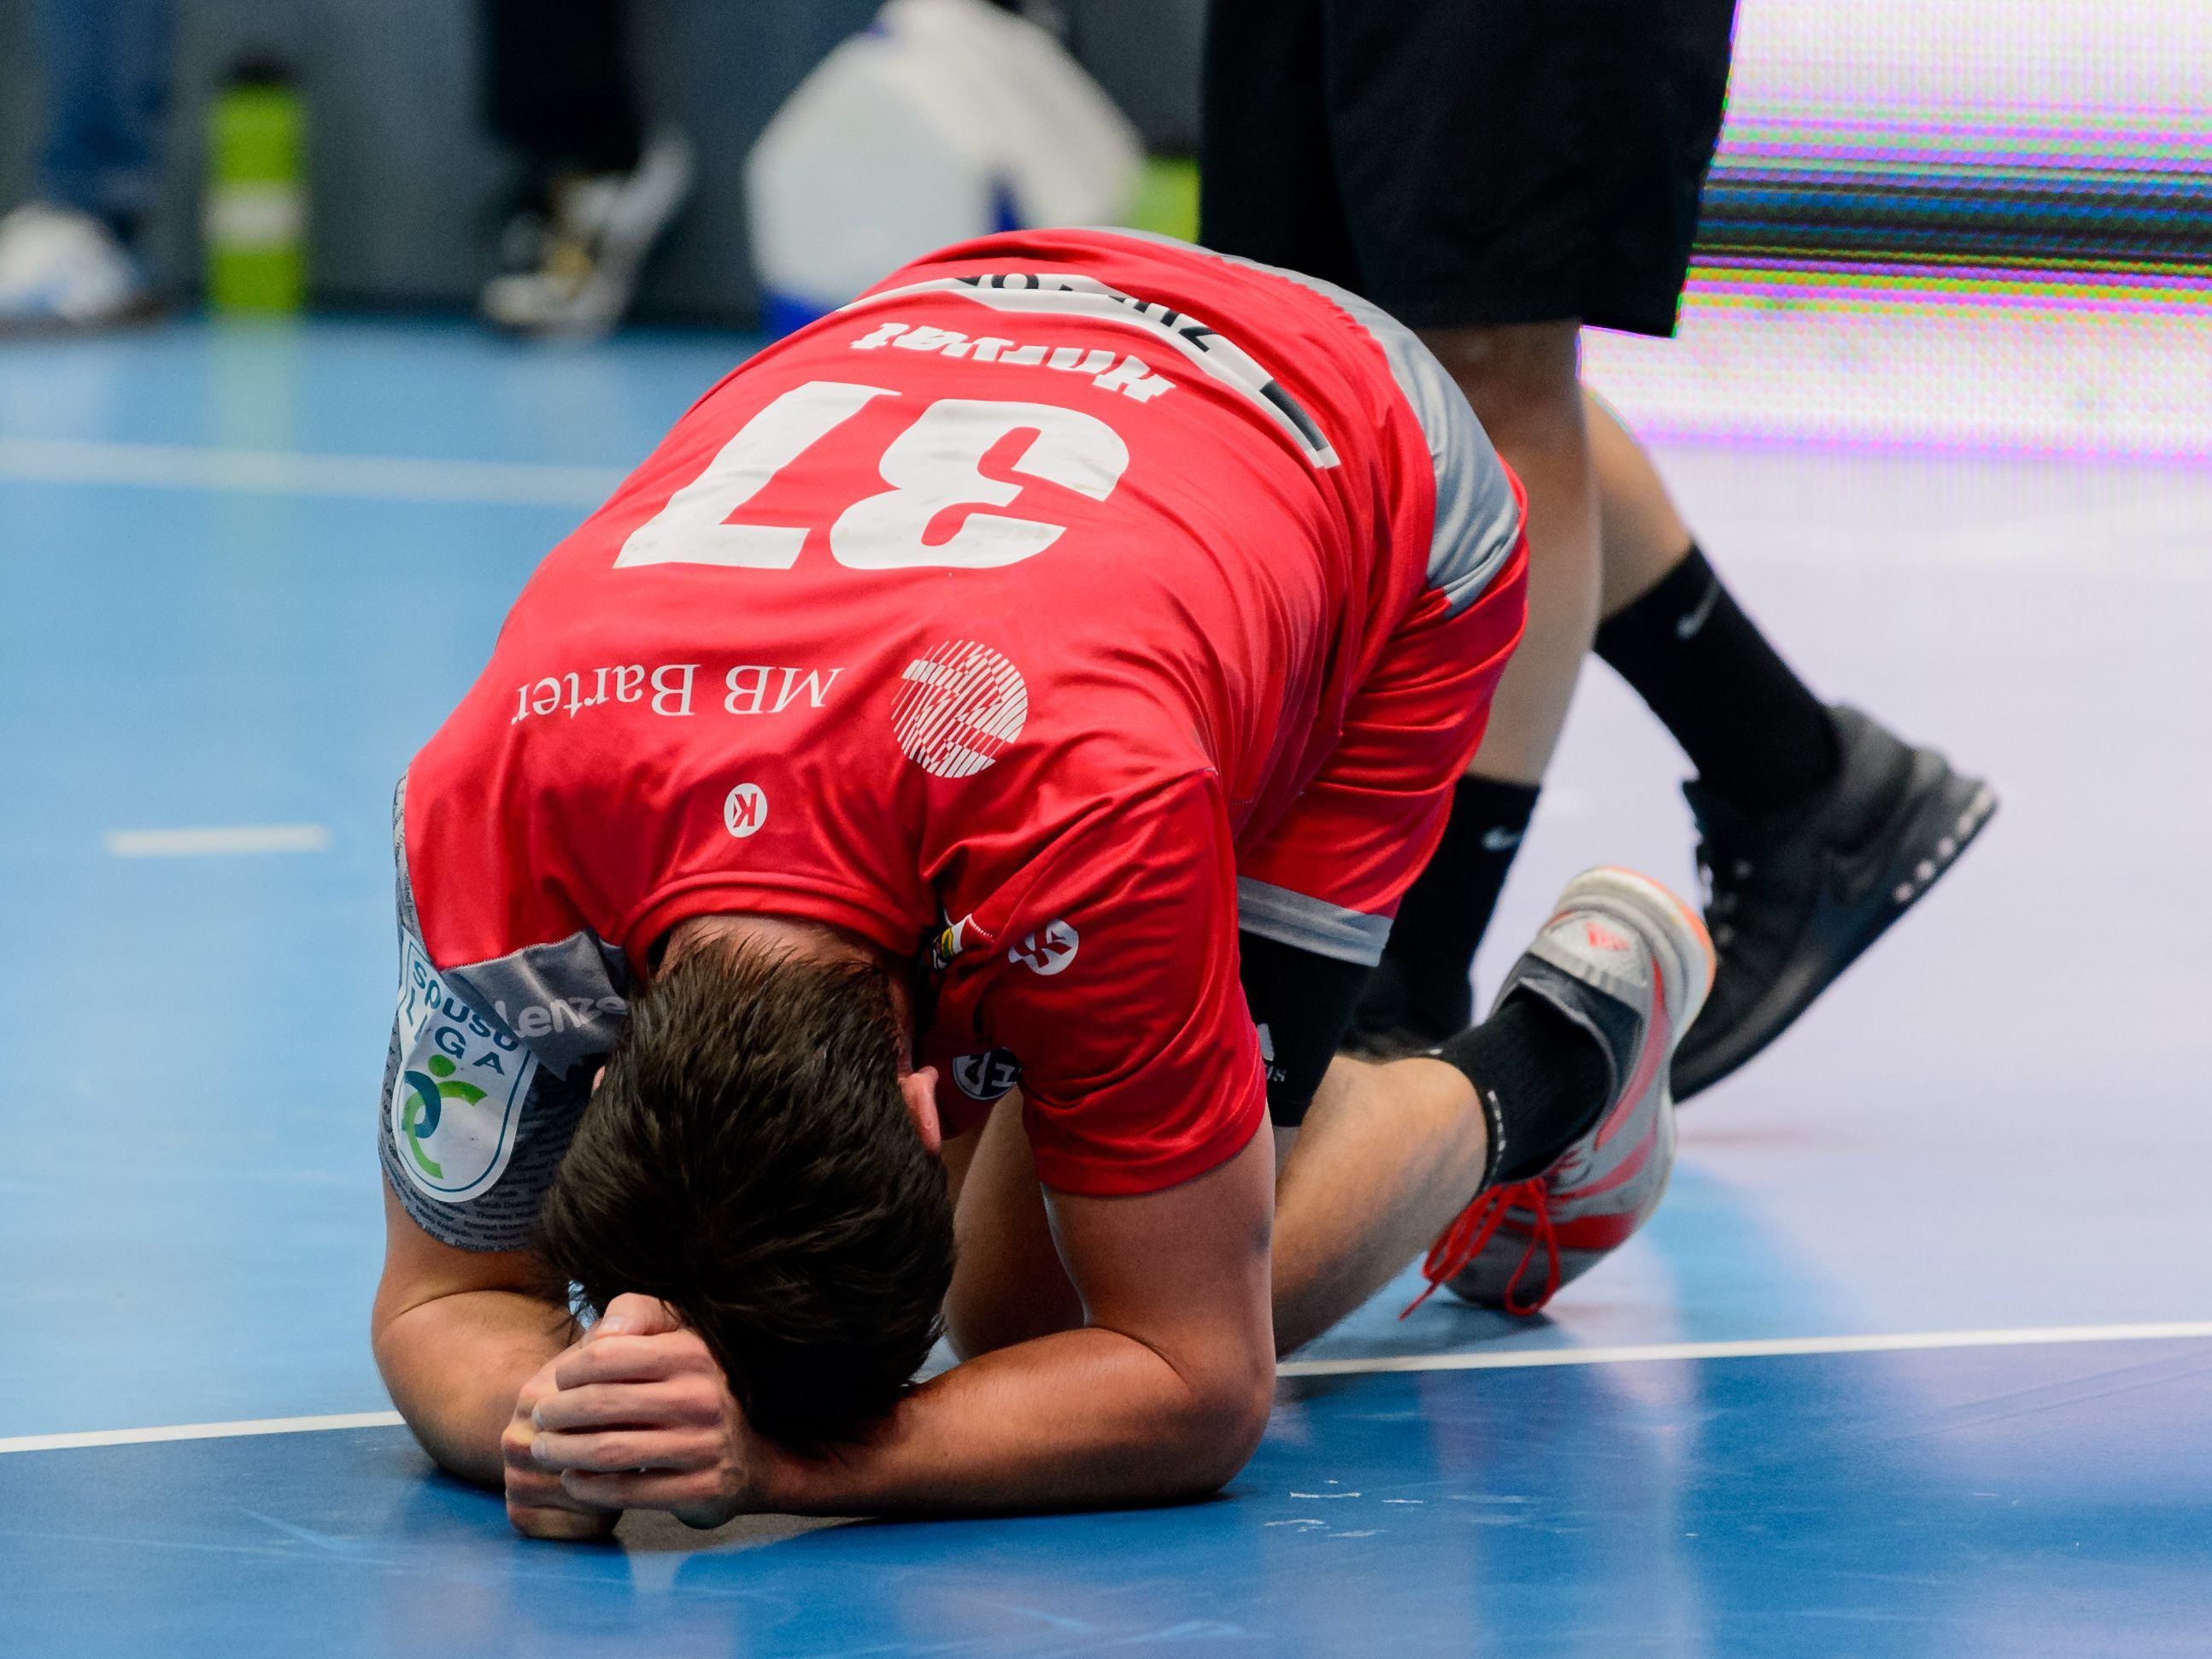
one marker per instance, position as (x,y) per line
(1065,602)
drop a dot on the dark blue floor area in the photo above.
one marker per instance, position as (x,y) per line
(2000,1501)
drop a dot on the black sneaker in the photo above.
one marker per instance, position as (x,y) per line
(1793,897)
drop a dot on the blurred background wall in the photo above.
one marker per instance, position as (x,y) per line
(1901,190)
(405,191)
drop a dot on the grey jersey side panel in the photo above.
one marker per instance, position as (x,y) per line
(488,1071)
(1477,519)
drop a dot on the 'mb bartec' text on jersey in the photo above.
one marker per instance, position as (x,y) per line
(1009,618)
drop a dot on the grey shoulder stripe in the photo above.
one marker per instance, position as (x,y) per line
(1305,923)
(1477,519)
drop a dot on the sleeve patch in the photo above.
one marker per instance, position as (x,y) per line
(455,1106)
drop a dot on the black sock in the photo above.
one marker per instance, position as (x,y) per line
(1441,922)
(1758,738)
(1543,1081)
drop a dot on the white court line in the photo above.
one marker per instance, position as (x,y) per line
(1758,1348)
(280,472)
(253,1425)
(1520,1359)
(216,842)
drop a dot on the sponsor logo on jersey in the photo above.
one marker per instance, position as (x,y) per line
(457,1100)
(532,1020)
(666,689)
(669,689)
(952,940)
(744,810)
(986,1077)
(959,709)
(754,687)
(1049,950)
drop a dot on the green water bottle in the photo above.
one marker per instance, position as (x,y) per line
(256,199)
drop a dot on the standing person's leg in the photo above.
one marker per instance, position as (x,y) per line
(558,85)
(104,65)
(600,189)
(1521,379)
(1464,134)
(65,256)
(1818,827)
(1310,143)
(1753,730)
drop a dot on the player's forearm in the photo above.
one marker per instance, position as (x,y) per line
(454,1364)
(1084,1417)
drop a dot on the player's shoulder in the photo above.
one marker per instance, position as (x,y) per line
(1088,855)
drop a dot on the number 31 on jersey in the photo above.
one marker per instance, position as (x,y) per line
(934,465)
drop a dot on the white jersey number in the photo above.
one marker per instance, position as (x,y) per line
(935,465)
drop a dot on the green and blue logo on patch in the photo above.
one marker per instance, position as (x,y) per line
(456,1104)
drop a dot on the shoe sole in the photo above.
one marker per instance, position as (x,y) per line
(1948,812)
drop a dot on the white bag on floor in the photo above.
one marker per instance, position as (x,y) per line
(945,119)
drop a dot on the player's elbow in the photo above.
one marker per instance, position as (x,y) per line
(1223,1423)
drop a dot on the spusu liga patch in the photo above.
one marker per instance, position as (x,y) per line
(456,1102)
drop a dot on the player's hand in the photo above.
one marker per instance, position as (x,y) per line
(537,1502)
(641,1418)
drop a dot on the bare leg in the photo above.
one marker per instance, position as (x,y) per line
(1522,380)
(1640,531)
(1389,1154)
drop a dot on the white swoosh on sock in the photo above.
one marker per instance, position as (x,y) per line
(1685,626)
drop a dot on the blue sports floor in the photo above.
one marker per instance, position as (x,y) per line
(1917,1358)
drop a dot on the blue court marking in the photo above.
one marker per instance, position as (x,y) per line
(1998,1120)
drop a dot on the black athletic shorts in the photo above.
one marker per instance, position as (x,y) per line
(1467,162)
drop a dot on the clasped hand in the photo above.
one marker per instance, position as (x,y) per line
(635,1414)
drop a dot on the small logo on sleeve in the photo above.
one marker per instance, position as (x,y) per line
(1048,950)
(456,1104)
(950,941)
(986,1077)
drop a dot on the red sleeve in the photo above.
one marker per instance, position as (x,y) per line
(1106,981)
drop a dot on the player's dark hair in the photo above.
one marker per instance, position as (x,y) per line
(748,1159)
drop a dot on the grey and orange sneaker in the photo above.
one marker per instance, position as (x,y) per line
(1630,963)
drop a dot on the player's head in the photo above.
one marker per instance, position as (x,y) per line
(748,1158)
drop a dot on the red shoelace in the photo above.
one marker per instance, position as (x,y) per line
(1461,1241)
